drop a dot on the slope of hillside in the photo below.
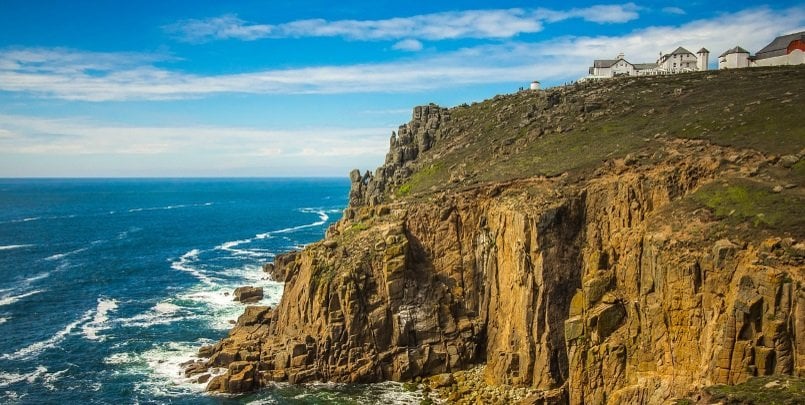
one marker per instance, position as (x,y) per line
(624,241)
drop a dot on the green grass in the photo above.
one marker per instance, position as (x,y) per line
(518,135)
(743,200)
(322,275)
(419,180)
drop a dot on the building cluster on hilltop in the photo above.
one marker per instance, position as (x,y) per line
(784,50)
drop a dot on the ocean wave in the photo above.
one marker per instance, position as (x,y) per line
(98,322)
(39,374)
(162,368)
(254,253)
(161,314)
(4,319)
(170,207)
(231,244)
(60,256)
(10,299)
(323,218)
(7,379)
(10,247)
(37,348)
(183,264)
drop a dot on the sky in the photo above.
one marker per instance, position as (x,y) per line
(306,87)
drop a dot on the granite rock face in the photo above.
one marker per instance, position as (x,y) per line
(606,285)
(592,292)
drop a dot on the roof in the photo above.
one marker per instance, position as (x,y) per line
(604,63)
(677,51)
(779,46)
(681,51)
(703,50)
(737,49)
(644,66)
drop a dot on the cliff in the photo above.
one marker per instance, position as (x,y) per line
(628,241)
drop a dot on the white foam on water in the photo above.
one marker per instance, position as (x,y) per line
(183,264)
(7,379)
(10,299)
(49,379)
(394,393)
(10,247)
(37,348)
(4,320)
(120,358)
(323,218)
(166,308)
(60,256)
(36,277)
(160,314)
(162,368)
(99,321)
(170,207)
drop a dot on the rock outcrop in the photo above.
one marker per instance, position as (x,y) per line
(248,294)
(612,285)
(405,145)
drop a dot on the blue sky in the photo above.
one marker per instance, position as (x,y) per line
(302,88)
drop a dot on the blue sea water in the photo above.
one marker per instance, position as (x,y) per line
(109,285)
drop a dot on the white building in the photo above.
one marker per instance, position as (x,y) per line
(734,58)
(678,61)
(784,50)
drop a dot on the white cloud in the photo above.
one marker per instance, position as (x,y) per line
(411,45)
(76,75)
(494,23)
(227,26)
(77,136)
(673,10)
(35,146)
(602,14)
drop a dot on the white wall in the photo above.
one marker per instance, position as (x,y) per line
(796,57)
(734,61)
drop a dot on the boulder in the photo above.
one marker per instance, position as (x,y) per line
(253,315)
(248,294)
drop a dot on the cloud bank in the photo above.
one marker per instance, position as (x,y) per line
(93,76)
(499,23)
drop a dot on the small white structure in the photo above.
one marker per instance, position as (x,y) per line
(735,58)
(534,85)
(702,59)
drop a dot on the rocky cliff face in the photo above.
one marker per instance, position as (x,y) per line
(622,284)
(405,145)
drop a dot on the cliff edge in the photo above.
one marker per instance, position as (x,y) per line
(623,241)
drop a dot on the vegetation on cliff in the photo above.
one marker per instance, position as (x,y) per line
(623,241)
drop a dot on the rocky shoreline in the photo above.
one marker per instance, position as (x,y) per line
(468,387)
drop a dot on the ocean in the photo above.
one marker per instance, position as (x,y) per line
(108,285)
